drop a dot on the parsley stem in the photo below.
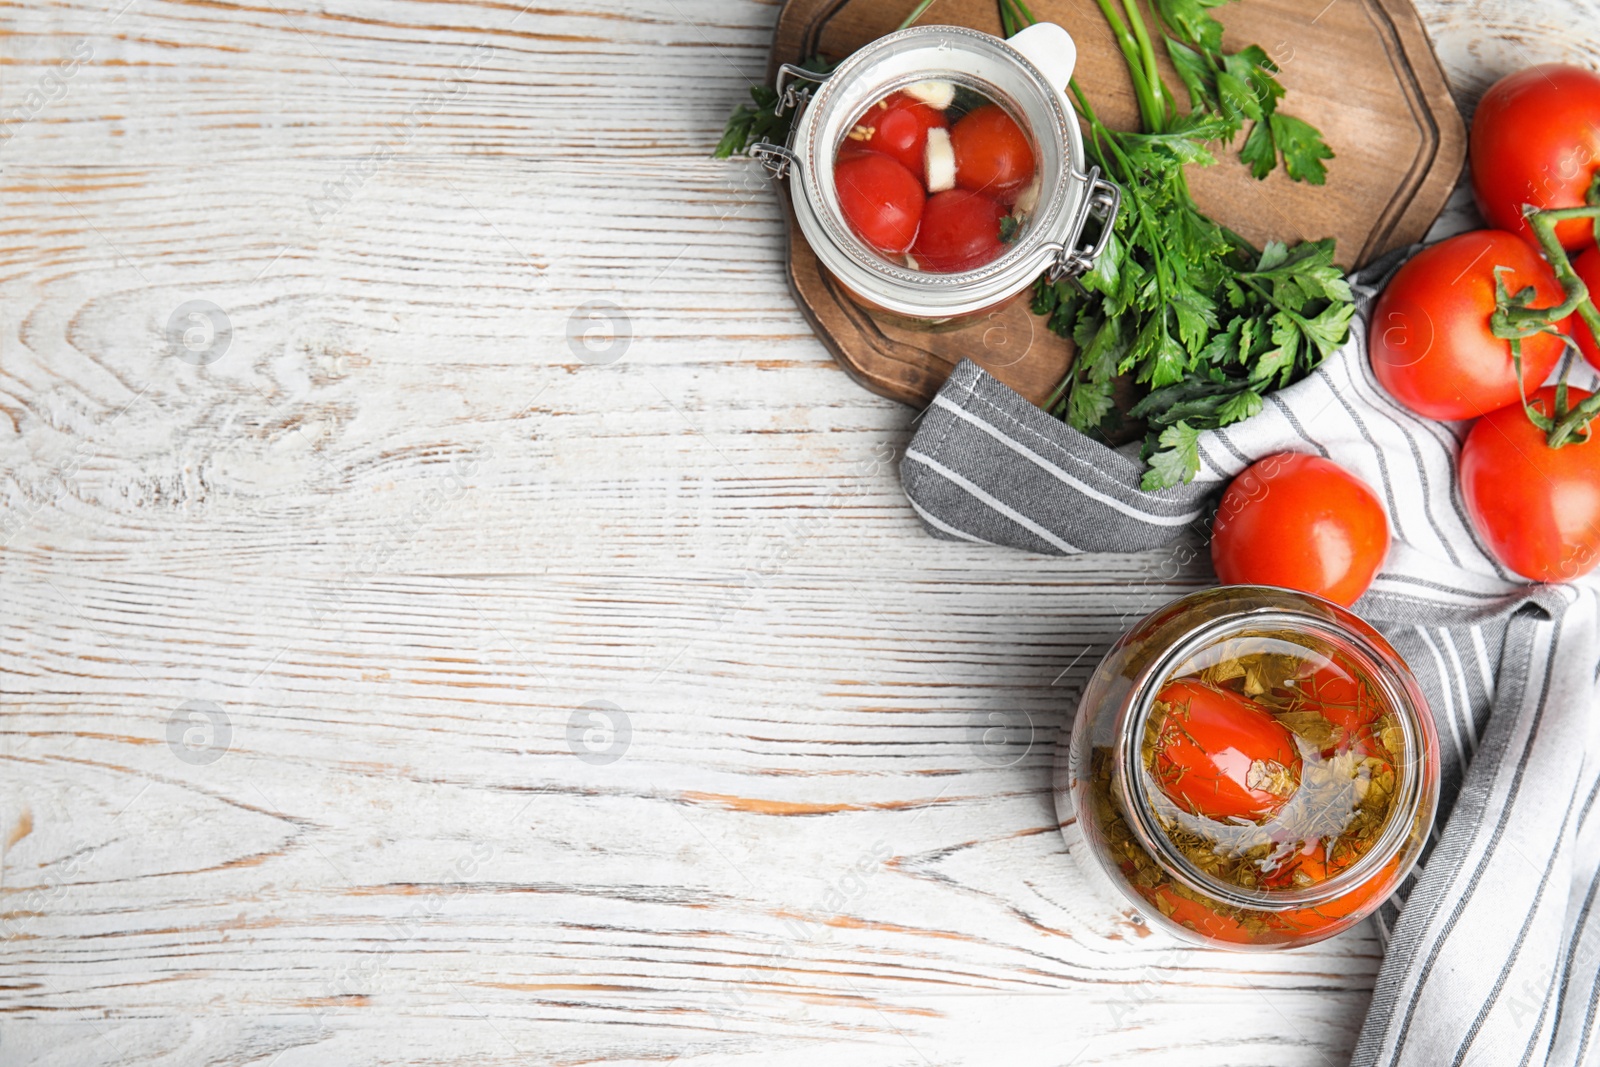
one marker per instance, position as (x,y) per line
(916,14)
(1269,298)
(1022,9)
(1152,72)
(1149,109)
(1054,399)
(1011,18)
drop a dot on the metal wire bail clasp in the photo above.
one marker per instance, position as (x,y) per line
(779,158)
(1103,202)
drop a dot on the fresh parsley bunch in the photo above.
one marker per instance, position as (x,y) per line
(1200,320)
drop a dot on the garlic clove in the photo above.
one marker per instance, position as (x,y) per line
(940,161)
(1028,199)
(936,94)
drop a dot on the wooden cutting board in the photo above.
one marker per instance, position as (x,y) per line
(1362,71)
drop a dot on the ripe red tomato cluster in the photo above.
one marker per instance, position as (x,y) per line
(912,184)
(1533,496)
(1535,146)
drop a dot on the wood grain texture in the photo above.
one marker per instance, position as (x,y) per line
(421,527)
(1359,70)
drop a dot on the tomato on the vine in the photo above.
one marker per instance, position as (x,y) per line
(1300,522)
(881,200)
(897,126)
(1222,755)
(993,155)
(1432,346)
(960,231)
(1536,140)
(1537,508)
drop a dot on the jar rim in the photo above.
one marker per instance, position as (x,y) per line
(1412,795)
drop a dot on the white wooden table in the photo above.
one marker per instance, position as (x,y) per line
(401,669)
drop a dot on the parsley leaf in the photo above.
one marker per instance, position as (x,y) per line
(1176,460)
(1206,323)
(1302,148)
(1241,87)
(1239,407)
(758,120)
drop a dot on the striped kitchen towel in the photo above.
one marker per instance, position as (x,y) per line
(1493,944)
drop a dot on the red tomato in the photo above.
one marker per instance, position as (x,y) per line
(960,231)
(992,153)
(1300,522)
(1536,140)
(881,200)
(1341,698)
(1193,915)
(1536,507)
(1222,755)
(1351,906)
(1588,268)
(1311,861)
(898,126)
(1430,339)
(848,151)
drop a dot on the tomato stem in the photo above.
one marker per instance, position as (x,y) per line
(1593,200)
(1514,321)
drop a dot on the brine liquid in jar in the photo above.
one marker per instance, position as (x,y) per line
(938,176)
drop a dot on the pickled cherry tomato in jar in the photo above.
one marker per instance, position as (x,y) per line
(992,153)
(881,200)
(972,165)
(897,126)
(960,231)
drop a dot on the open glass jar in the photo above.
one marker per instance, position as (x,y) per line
(1025,77)
(1251,768)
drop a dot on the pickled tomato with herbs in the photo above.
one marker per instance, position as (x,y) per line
(1270,765)
(1219,754)
(962,187)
